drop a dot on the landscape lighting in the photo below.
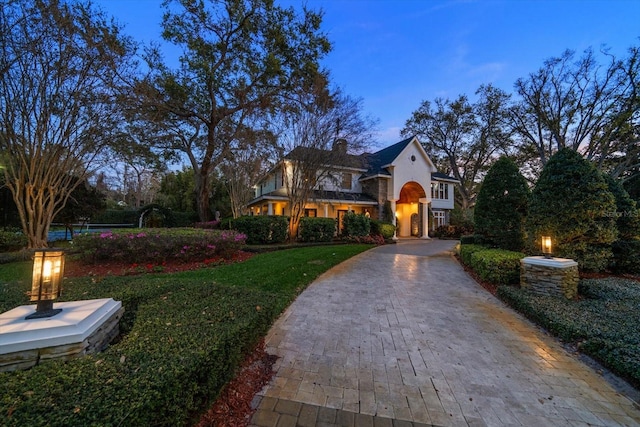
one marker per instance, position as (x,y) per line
(546,247)
(48,269)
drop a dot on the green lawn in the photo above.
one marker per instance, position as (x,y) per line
(604,322)
(182,336)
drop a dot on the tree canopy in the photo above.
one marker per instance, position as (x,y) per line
(239,60)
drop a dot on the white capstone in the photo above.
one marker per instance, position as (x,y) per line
(549,262)
(77,321)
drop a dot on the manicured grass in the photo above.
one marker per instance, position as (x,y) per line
(604,323)
(183,336)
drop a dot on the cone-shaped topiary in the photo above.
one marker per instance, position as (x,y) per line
(571,202)
(501,207)
(626,212)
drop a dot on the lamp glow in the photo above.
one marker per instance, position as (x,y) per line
(546,246)
(48,269)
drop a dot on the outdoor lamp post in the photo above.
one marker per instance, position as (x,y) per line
(546,246)
(48,269)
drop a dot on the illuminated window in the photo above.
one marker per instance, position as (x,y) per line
(311,212)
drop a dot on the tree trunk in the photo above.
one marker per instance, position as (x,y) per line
(202,195)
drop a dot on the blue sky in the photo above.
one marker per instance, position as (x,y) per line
(395,54)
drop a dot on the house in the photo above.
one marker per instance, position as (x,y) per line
(398,182)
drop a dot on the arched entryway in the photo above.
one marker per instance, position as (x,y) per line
(411,211)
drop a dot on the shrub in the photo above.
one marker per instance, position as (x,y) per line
(209,225)
(626,256)
(626,214)
(12,240)
(371,239)
(356,225)
(570,203)
(467,240)
(384,229)
(497,266)
(467,250)
(317,229)
(262,229)
(158,245)
(451,231)
(501,207)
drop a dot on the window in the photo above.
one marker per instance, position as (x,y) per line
(346,181)
(439,219)
(311,212)
(439,190)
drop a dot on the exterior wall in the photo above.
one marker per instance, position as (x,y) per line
(447,203)
(411,165)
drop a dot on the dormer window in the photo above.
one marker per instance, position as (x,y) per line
(346,181)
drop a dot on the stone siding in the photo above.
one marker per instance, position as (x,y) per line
(96,342)
(551,280)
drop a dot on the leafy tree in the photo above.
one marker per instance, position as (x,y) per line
(571,202)
(177,191)
(463,138)
(59,62)
(239,59)
(501,209)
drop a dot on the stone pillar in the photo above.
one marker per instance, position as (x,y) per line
(326,210)
(550,276)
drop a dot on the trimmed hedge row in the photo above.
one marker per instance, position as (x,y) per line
(317,229)
(604,323)
(498,266)
(177,351)
(262,229)
(158,244)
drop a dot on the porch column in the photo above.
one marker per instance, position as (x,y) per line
(326,210)
(393,215)
(425,218)
(270,209)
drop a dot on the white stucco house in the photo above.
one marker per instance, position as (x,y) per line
(401,176)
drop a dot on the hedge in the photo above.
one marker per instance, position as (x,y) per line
(317,229)
(497,266)
(356,225)
(12,241)
(626,256)
(263,229)
(158,244)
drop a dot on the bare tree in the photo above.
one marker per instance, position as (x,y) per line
(58,63)
(464,138)
(582,105)
(320,132)
(239,57)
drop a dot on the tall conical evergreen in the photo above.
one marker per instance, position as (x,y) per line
(501,207)
(572,203)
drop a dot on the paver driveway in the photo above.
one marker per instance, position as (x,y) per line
(401,335)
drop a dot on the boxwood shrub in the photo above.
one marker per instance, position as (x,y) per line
(262,229)
(497,266)
(317,229)
(467,250)
(356,225)
(381,228)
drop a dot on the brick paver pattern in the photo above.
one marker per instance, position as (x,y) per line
(401,335)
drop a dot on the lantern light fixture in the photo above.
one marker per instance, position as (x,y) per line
(48,269)
(547,247)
